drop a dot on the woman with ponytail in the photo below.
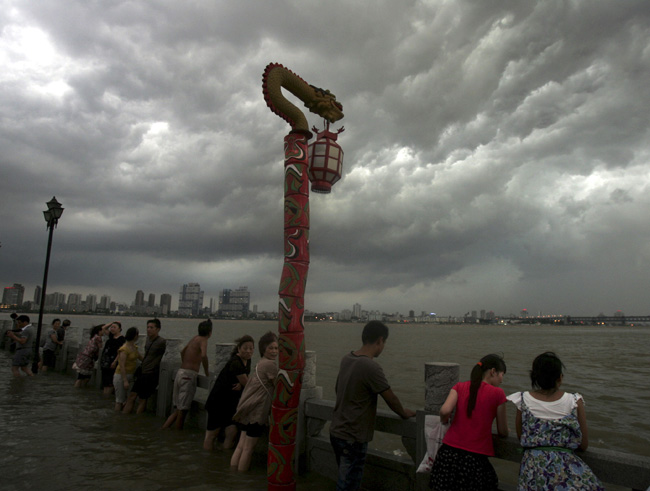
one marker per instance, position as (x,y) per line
(462,461)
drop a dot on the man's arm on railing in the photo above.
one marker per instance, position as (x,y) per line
(394,403)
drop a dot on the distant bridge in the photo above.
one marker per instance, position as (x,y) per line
(617,320)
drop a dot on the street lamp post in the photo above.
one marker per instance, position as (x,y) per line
(324,171)
(52,215)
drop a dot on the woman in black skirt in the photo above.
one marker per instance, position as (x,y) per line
(462,462)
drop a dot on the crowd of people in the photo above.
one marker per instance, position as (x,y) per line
(550,423)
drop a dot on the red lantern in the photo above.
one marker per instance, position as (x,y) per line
(325,160)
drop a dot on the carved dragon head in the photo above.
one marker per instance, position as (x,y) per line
(325,105)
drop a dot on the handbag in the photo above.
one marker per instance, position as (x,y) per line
(434,432)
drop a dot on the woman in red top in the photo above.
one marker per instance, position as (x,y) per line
(462,462)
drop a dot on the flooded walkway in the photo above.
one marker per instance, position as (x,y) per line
(56,437)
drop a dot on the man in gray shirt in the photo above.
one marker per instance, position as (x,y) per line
(359,382)
(24,346)
(147,375)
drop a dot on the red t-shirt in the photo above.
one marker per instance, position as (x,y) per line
(475,434)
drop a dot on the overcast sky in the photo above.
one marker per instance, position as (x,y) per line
(497,153)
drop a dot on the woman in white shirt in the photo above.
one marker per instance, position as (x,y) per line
(551,424)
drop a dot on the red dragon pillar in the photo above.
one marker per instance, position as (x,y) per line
(286,396)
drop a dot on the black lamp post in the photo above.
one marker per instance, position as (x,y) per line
(52,215)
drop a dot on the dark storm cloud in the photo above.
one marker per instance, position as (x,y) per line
(496,152)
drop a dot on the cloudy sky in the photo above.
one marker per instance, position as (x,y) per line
(497,153)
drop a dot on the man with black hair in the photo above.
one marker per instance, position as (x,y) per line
(193,355)
(148,373)
(24,336)
(359,382)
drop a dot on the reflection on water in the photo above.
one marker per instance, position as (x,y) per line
(57,437)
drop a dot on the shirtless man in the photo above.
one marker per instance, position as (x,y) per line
(193,355)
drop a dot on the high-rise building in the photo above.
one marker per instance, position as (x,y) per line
(139,298)
(190,300)
(74,302)
(91,302)
(105,302)
(55,301)
(13,295)
(356,310)
(152,300)
(38,291)
(165,303)
(235,303)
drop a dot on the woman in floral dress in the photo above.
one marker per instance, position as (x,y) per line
(551,425)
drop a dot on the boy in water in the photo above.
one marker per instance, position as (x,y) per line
(194,353)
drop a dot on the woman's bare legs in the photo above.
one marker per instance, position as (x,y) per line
(241,458)
(210,436)
(231,436)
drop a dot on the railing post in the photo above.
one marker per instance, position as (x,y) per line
(303,431)
(171,361)
(439,378)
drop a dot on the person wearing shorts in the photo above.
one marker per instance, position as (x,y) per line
(193,355)
(255,404)
(51,342)
(127,361)
(184,388)
(24,346)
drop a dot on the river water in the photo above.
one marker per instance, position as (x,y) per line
(609,366)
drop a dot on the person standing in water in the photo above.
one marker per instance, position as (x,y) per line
(193,355)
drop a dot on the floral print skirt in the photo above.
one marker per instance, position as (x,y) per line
(548,461)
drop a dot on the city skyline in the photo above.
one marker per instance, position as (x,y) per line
(496,153)
(353,310)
